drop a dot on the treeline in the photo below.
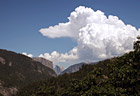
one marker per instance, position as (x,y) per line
(118,76)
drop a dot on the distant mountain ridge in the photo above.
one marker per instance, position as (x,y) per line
(75,67)
(58,69)
(117,76)
(17,70)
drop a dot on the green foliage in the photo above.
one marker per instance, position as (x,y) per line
(19,70)
(137,45)
(118,76)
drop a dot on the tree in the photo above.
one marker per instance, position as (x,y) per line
(137,49)
(137,45)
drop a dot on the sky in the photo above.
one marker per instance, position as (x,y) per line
(69,31)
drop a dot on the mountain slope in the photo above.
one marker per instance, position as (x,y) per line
(119,76)
(72,68)
(44,61)
(17,70)
(58,69)
(75,68)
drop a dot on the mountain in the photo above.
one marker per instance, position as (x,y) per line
(44,61)
(118,76)
(58,69)
(17,71)
(75,67)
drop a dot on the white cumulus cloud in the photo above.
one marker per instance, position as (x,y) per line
(29,55)
(60,57)
(97,36)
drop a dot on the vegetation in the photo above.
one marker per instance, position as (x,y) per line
(17,70)
(118,76)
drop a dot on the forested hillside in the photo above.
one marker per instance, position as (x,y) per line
(119,76)
(17,70)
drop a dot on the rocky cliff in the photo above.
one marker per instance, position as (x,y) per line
(17,70)
(58,69)
(44,61)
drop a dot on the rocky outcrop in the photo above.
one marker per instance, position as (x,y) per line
(5,91)
(17,71)
(58,69)
(2,60)
(44,61)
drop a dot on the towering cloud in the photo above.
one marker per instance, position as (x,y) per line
(98,36)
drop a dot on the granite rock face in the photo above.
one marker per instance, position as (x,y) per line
(44,61)
(17,71)
(72,68)
(75,67)
(5,91)
(58,69)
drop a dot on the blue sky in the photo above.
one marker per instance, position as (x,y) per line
(21,20)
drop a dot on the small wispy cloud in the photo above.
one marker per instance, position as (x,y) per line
(29,55)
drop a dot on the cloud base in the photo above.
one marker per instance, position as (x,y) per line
(98,37)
